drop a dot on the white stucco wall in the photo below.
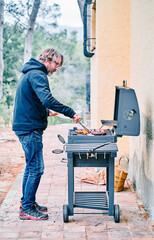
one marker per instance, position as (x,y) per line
(141,168)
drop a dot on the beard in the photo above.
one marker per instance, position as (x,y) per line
(50,72)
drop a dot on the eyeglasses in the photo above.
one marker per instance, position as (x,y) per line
(57,64)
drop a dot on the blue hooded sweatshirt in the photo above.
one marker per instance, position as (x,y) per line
(34,98)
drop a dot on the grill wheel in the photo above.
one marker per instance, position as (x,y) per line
(116,213)
(65,213)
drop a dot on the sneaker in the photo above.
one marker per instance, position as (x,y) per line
(38,208)
(32,214)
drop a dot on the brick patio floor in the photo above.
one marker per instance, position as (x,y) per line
(134,221)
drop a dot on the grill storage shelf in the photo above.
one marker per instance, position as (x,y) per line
(92,200)
(80,153)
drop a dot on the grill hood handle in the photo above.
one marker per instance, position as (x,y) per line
(57,151)
(61,139)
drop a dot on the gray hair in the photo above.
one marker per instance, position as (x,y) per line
(49,53)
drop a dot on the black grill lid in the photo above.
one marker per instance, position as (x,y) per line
(126,112)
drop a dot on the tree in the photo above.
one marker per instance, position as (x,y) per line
(13,51)
(30,30)
(49,15)
(1,45)
(30,13)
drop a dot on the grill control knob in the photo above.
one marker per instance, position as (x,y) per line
(132,113)
(129,114)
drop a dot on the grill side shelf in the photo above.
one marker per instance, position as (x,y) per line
(112,147)
(109,123)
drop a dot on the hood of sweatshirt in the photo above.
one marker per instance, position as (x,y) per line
(34,64)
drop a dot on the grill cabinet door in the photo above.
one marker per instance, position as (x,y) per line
(126,112)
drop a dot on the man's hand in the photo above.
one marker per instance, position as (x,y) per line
(52,114)
(76,118)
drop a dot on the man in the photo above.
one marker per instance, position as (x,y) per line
(33,104)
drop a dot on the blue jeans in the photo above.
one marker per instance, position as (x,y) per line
(33,148)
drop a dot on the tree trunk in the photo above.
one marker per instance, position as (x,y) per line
(81,7)
(30,30)
(1,45)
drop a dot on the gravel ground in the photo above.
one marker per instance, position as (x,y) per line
(12,160)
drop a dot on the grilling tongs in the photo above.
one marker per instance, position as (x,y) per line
(84,126)
(102,145)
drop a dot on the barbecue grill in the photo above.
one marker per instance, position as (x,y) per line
(100,151)
(126,120)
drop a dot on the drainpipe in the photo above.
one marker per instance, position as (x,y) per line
(85,51)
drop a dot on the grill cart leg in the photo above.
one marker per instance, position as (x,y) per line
(116,213)
(70,184)
(107,179)
(65,213)
(111,186)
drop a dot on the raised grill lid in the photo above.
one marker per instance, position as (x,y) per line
(126,112)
